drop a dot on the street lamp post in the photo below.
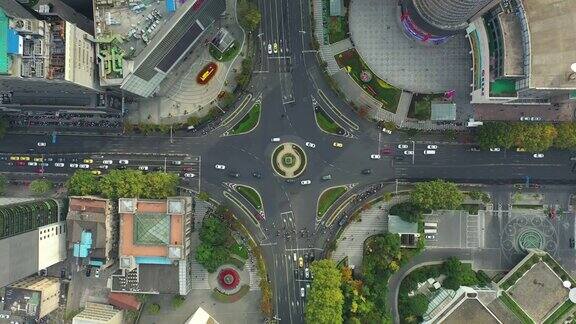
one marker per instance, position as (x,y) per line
(171,135)
(413,151)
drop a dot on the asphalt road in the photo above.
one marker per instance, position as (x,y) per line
(287,82)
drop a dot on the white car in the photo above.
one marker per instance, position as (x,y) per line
(189,175)
(84,166)
(41,144)
(494,149)
(275,139)
(310,144)
(432,147)
(220,166)
(32,163)
(275,47)
(59,165)
(269,48)
(107,161)
(337,144)
(409,152)
(306,273)
(73,165)
(375,156)
(97,273)
(538,155)
(305,182)
(143,168)
(402,146)
(176,162)
(302,292)
(387,131)
(123,161)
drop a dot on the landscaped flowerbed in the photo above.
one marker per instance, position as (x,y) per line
(228,278)
(251,195)
(376,87)
(224,298)
(326,123)
(228,55)
(421,105)
(249,122)
(327,199)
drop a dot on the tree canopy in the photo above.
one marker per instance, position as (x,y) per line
(534,137)
(213,250)
(3,127)
(248,15)
(325,300)
(437,194)
(41,186)
(213,231)
(83,183)
(3,183)
(458,274)
(566,138)
(408,211)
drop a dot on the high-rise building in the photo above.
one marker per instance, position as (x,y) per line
(32,237)
(435,21)
(45,60)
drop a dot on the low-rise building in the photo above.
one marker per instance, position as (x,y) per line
(154,243)
(92,228)
(95,313)
(32,297)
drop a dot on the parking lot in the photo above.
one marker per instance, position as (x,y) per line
(456,229)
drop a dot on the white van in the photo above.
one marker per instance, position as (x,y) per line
(430,231)
(431,224)
(429,152)
(275,139)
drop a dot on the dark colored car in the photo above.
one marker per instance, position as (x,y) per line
(296,273)
(63,273)
(88,271)
(257,175)
(290,180)
(366,171)
(234,174)
(399,158)
(121,167)
(475,149)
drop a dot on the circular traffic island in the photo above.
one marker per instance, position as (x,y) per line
(288,160)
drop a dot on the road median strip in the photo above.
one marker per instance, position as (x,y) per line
(336,111)
(327,198)
(249,122)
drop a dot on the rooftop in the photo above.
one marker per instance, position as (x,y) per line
(539,292)
(552,42)
(471,311)
(399,226)
(513,51)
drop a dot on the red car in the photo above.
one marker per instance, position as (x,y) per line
(20,163)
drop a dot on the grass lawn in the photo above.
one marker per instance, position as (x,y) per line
(240,250)
(512,306)
(337,29)
(421,105)
(503,88)
(376,87)
(326,123)
(328,198)
(249,121)
(251,195)
(228,55)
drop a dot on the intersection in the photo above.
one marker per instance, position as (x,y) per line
(288,82)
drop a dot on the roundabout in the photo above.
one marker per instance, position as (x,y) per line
(288,160)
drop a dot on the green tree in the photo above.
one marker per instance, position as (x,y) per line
(41,186)
(325,300)
(177,301)
(210,256)
(534,137)
(160,185)
(248,15)
(3,183)
(83,183)
(123,184)
(408,211)
(192,121)
(495,134)
(213,231)
(203,195)
(457,274)
(566,138)
(153,309)
(3,127)
(417,305)
(437,194)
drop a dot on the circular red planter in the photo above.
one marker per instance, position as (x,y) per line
(228,278)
